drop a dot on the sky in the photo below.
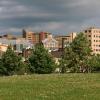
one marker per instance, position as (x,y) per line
(55,16)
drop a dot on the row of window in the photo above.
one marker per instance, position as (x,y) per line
(97,36)
(96,40)
(94,36)
(97,45)
(50,45)
(96,49)
(89,31)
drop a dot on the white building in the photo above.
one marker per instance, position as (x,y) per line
(50,43)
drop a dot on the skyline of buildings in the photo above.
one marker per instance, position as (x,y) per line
(29,39)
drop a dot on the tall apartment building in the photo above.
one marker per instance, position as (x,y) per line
(65,39)
(36,38)
(28,36)
(93,35)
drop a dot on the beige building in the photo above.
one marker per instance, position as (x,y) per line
(28,36)
(65,39)
(93,35)
(3,48)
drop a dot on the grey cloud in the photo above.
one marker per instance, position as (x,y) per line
(57,16)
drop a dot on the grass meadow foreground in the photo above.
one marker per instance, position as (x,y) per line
(51,87)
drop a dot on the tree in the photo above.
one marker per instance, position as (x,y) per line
(11,62)
(69,61)
(41,61)
(81,47)
(93,63)
(76,54)
(2,69)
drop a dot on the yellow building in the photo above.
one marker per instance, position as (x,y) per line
(93,35)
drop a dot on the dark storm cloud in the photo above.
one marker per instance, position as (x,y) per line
(57,16)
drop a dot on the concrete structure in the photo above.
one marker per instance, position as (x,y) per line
(50,43)
(64,40)
(93,35)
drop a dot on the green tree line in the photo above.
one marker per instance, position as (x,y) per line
(77,57)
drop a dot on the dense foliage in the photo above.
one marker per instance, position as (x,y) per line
(41,61)
(10,63)
(78,56)
(69,61)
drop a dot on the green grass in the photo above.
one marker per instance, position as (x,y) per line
(51,87)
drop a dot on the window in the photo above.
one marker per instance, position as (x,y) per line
(94,35)
(85,31)
(89,40)
(96,49)
(89,35)
(89,31)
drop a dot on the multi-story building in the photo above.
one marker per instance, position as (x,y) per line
(50,43)
(35,37)
(43,35)
(28,36)
(93,35)
(65,39)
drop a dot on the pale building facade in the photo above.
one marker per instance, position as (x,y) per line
(50,43)
(93,35)
(18,44)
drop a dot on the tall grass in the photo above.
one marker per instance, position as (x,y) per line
(51,87)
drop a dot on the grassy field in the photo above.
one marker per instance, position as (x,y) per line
(51,87)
